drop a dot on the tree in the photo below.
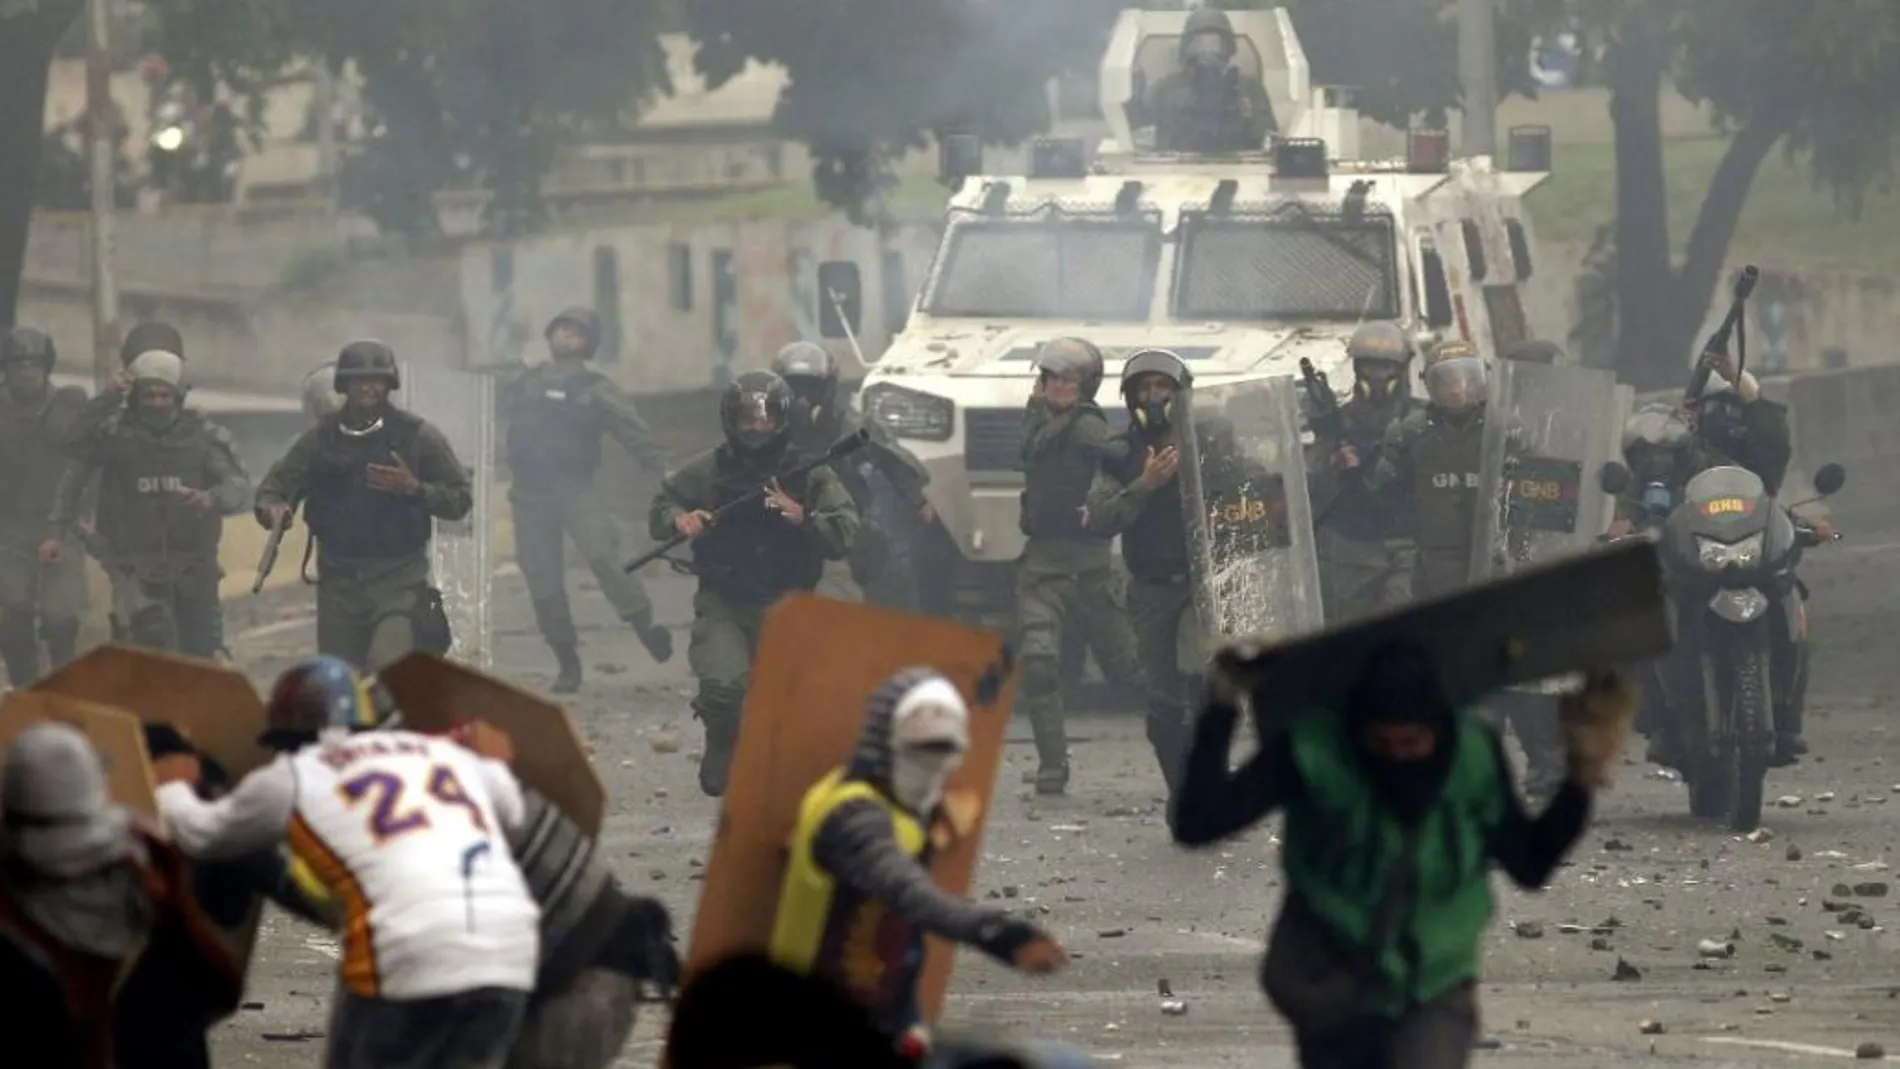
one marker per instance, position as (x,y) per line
(30,31)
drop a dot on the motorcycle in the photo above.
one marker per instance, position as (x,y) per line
(1729,554)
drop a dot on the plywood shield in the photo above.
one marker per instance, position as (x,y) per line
(114,733)
(819,661)
(436,695)
(211,704)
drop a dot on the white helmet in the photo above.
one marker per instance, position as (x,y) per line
(157,365)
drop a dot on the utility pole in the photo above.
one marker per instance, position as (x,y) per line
(324,99)
(99,127)
(1478,71)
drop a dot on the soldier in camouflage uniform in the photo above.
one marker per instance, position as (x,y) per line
(752,556)
(1209,105)
(818,421)
(555,416)
(1431,461)
(167,478)
(371,479)
(38,603)
(1365,545)
(1063,577)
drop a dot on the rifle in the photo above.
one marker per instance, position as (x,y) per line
(268,562)
(1326,419)
(841,448)
(1718,341)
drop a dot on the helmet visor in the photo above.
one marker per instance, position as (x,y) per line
(1457,384)
(754,419)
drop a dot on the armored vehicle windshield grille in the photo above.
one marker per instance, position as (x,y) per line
(1295,264)
(993,437)
(1053,266)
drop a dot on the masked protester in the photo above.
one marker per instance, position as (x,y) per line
(1140,500)
(1365,537)
(820,419)
(752,556)
(1208,104)
(1431,462)
(372,480)
(1063,578)
(1397,808)
(441,938)
(167,477)
(861,849)
(38,603)
(107,959)
(555,416)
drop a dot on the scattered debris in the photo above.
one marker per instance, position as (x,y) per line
(1650,1028)
(1759,835)
(664,741)
(1794,852)
(1528,929)
(1712,948)
(1625,972)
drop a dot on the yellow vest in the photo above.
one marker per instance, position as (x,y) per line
(808,897)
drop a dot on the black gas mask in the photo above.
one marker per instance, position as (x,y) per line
(1150,400)
(1206,54)
(1377,381)
(1720,425)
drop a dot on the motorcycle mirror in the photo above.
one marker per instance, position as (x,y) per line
(1830,479)
(1614,478)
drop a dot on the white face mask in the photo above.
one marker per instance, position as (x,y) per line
(930,729)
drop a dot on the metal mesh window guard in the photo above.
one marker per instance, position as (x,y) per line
(1052,266)
(1286,266)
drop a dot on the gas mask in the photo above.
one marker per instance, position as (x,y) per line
(1377,381)
(930,730)
(1150,400)
(1206,55)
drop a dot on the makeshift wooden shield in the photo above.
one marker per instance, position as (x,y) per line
(436,695)
(818,662)
(1594,610)
(211,704)
(114,733)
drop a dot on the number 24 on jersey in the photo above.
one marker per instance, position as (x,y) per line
(394,812)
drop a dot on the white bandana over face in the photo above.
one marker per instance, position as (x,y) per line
(930,730)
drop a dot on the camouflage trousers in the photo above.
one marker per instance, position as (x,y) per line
(38,603)
(725,638)
(1532,718)
(367,610)
(171,606)
(543,523)
(1360,578)
(1047,603)
(1161,612)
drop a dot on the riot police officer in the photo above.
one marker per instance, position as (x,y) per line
(147,337)
(1735,424)
(1063,577)
(746,560)
(38,603)
(818,420)
(555,416)
(1364,536)
(1208,105)
(371,479)
(167,478)
(1141,502)
(1432,461)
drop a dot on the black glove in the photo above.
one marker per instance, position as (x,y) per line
(163,740)
(1002,935)
(644,950)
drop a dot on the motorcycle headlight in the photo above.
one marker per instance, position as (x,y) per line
(910,413)
(1718,555)
(170,138)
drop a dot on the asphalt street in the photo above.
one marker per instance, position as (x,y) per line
(1663,941)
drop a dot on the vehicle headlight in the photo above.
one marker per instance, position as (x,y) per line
(910,413)
(1717,555)
(170,138)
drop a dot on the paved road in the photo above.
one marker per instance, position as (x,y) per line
(1812,975)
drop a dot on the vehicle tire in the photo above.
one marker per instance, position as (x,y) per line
(1751,747)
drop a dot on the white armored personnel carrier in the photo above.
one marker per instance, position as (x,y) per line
(1242,263)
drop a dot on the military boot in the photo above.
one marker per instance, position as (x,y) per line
(717,760)
(658,640)
(1052,754)
(568,659)
(1168,735)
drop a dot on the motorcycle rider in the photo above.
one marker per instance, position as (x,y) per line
(818,420)
(37,603)
(1735,424)
(1365,546)
(1208,105)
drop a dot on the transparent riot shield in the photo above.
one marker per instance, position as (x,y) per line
(462,406)
(1249,519)
(1548,432)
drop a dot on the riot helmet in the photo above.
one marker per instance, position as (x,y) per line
(1656,445)
(1535,351)
(366,359)
(756,412)
(314,696)
(320,398)
(1380,352)
(27,345)
(146,337)
(1720,422)
(585,322)
(811,372)
(1207,40)
(1071,360)
(1456,379)
(158,388)
(1151,380)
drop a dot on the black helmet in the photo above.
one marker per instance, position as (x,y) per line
(366,359)
(810,370)
(1072,358)
(1147,416)
(146,337)
(1203,20)
(25,343)
(1382,341)
(322,692)
(1535,351)
(761,395)
(586,320)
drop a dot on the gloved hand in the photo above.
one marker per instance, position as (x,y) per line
(1021,945)
(644,949)
(1596,722)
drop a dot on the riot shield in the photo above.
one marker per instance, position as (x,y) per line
(1548,432)
(210,703)
(462,406)
(1249,519)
